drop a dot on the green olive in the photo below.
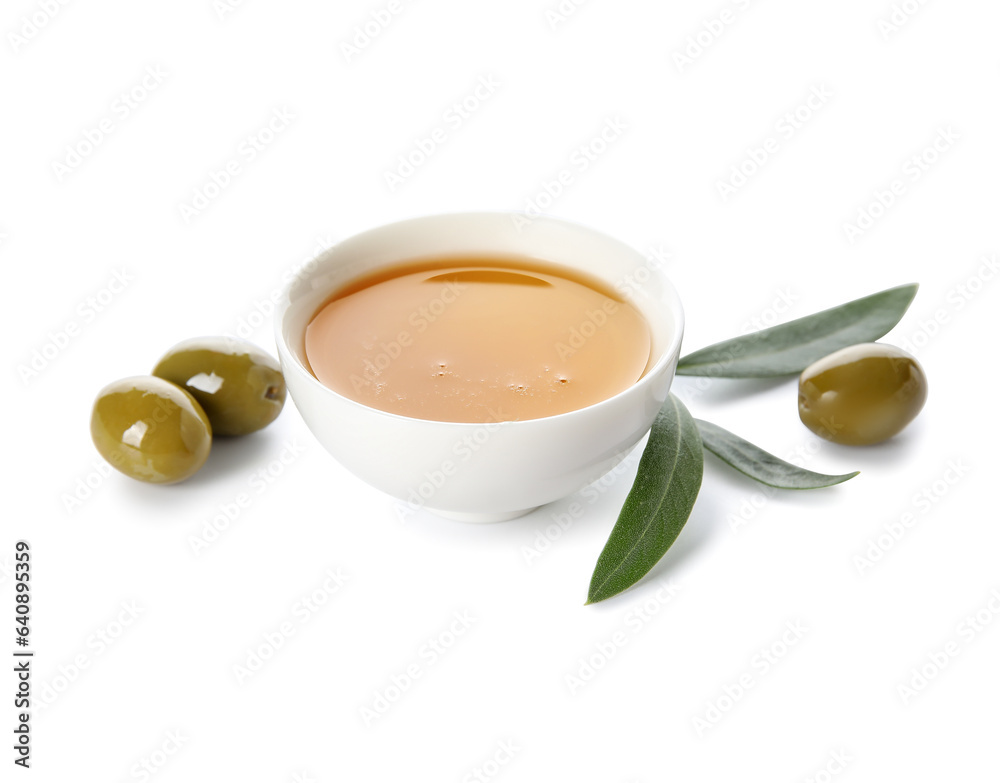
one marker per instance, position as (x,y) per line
(862,394)
(240,387)
(150,429)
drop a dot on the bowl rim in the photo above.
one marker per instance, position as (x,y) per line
(670,354)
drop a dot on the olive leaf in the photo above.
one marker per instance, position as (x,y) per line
(659,503)
(758,464)
(787,349)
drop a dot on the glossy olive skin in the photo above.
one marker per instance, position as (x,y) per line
(862,394)
(150,429)
(240,387)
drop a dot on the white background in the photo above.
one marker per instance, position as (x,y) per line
(776,249)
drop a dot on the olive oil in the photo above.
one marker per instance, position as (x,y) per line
(477,339)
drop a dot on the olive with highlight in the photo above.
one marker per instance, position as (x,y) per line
(862,394)
(150,429)
(240,387)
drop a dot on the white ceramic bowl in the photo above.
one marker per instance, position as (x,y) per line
(481,472)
